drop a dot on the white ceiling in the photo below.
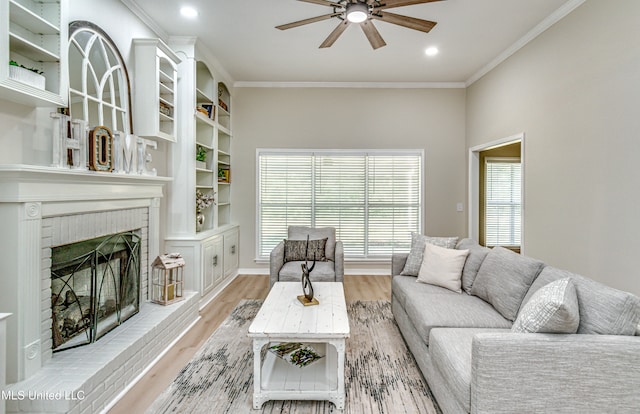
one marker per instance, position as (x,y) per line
(241,34)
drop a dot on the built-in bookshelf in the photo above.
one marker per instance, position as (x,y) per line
(155,99)
(201,163)
(33,34)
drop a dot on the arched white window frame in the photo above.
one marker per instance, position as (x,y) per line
(108,102)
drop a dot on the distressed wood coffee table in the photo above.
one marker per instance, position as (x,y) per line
(324,327)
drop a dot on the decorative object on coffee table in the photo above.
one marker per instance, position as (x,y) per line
(307,298)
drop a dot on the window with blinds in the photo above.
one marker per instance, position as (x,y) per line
(503,202)
(373,199)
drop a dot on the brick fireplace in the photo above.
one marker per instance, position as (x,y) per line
(43,210)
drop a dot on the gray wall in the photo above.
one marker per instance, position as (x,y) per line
(575,93)
(429,119)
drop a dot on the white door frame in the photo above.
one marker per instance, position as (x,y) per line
(474,180)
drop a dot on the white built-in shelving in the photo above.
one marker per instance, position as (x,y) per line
(33,33)
(155,98)
(204,153)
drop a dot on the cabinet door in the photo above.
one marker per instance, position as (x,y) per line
(230,252)
(211,264)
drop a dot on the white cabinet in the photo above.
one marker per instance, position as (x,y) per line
(33,33)
(155,98)
(212,263)
(230,251)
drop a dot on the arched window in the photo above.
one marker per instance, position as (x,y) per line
(98,79)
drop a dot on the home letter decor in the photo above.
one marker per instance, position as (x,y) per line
(101,149)
(69,142)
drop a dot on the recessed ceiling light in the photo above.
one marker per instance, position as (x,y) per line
(189,12)
(431,51)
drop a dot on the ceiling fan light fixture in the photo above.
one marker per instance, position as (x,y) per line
(357,12)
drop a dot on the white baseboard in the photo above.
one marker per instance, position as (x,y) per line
(378,271)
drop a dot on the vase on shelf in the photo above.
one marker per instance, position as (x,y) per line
(199,221)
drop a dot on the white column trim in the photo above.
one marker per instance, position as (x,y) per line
(29,289)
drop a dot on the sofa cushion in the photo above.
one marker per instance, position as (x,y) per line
(451,351)
(401,285)
(418,241)
(603,309)
(430,306)
(292,272)
(504,279)
(442,267)
(552,309)
(294,250)
(315,233)
(475,258)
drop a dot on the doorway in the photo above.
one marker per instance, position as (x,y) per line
(496,213)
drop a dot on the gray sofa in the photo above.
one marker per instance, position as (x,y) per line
(474,363)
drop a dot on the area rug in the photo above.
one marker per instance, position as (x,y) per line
(381,375)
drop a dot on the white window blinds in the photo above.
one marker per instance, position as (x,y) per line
(503,205)
(373,199)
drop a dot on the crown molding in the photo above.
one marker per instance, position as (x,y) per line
(146,19)
(352,85)
(552,19)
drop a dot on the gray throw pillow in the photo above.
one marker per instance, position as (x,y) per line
(418,242)
(475,258)
(504,279)
(552,309)
(294,250)
(603,310)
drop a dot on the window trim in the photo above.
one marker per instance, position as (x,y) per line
(300,151)
(504,160)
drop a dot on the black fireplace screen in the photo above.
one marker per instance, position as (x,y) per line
(95,286)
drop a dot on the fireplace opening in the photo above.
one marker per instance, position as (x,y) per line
(95,286)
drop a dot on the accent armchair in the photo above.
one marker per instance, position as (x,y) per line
(329,270)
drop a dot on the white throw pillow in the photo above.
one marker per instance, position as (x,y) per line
(442,267)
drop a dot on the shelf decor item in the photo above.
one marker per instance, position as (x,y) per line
(29,76)
(203,201)
(224,175)
(167,278)
(201,154)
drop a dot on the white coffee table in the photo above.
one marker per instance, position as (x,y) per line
(282,318)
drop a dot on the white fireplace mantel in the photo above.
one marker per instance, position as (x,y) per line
(29,183)
(28,194)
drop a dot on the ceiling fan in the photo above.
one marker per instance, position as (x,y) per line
(363,12)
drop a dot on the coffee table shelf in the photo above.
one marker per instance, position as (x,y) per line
(278,374)
(325,327)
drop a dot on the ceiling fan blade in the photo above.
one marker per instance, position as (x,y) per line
(405,21)
(387,4)
(307,21)
(372,34)
(323,3)
(333,36)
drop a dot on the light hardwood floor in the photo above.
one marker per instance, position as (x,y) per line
(140,397)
